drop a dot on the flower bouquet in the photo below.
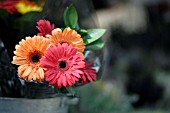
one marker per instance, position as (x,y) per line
(55,60)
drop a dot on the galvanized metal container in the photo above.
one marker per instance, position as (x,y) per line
(47,105)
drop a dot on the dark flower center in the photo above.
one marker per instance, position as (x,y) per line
(62,64)
(35,58)
(63,43)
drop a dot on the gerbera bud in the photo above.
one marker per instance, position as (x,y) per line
(45,27)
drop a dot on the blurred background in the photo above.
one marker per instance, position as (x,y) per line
(136,78)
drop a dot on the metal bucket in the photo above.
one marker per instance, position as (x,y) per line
(48,105)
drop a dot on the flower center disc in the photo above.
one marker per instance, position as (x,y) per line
(62,64)
(35,58)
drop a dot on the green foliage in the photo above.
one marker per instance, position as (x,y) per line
(70,17)
(93,35)
(92,38)
(82,32)
(95,45)
(71,90)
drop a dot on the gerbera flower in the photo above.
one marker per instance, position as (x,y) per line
(89,74)
(45,27)
(28,54)
(25,6)
(63,65)
(68,36)
(9,6)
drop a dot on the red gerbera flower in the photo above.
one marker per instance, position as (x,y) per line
(9,6)
(64,65)
(45,27)
(89,73)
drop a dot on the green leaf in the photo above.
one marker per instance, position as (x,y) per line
(95,45)
(70,17)
(82,32)
(71,90)
(93,35)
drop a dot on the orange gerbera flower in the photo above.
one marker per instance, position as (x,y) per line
(68,36)
(28,54)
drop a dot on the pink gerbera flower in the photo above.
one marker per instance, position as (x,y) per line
(9,5)
(64,65)
(45,27)
(89,74)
